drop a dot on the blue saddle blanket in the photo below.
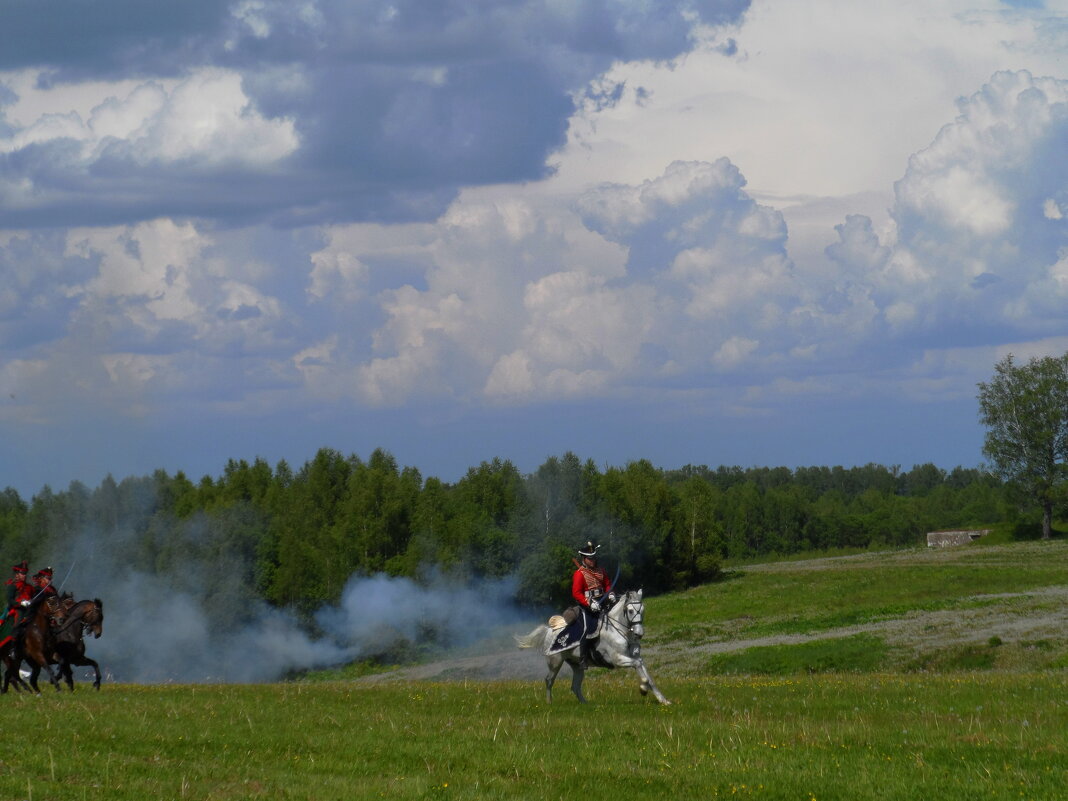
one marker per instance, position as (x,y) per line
(585,625)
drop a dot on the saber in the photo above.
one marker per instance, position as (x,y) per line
(69,570)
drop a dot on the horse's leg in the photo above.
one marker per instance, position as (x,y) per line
(20,683)
(66,674)
(9,666)
(53,677)
(87,662)
(578,673)
(84,661)
(7,653)
(39,664)
(646,682)
(13,676)
(554,662)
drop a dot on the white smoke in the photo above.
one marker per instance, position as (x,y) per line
(180,605)
(153,634)
(380,612)
(157,634)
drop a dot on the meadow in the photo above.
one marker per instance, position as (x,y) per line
(814,680)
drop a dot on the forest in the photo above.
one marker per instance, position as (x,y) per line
(293,538)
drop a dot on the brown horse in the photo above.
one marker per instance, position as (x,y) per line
(36,644)
(83,617)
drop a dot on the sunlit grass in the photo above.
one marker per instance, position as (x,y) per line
(848,737)
(836,716)
(800,598)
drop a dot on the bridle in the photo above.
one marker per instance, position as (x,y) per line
(634,614)
(80,617)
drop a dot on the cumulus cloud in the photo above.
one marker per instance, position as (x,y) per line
(704,283)
(136,147)
(520,301)
(318,111)
(683,279)
(977,243)
(132,316)
(204,120)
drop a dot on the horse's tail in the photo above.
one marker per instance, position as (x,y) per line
(534,638)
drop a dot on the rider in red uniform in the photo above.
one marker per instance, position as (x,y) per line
(592,590)
(590,584)
(19,593)
(43,579)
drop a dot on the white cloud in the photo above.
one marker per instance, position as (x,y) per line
(147,260)
(734,352)
(204,119)
(337,276)
(679,255)
(974,238)
(822,98)
(511,378)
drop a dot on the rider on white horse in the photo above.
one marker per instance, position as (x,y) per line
(591,589)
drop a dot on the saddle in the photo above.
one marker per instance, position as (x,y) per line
(585,626)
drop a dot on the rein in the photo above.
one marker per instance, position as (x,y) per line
(626,630)
(74,617)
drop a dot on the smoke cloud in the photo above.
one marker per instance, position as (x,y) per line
(154,633)
(196,617)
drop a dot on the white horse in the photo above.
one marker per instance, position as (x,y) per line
(618,646)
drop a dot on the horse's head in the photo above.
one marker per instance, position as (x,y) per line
(632,612)
(94,618)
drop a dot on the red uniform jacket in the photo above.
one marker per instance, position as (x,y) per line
(589,580)
(21,591)
(17,592)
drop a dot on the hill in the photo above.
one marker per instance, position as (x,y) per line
(972,607)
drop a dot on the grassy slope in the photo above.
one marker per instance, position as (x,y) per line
(923,608)
(875,734)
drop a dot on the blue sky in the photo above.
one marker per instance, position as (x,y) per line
(710,232)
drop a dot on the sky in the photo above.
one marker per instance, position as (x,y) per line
(704,232)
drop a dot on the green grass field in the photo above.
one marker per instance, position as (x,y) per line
(776,696)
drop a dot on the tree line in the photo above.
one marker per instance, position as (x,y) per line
(293,538)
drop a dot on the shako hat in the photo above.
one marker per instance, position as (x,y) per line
(44,571)
(589,550)
(21,567)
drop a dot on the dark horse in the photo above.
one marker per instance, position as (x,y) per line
(82,618)
(36,644)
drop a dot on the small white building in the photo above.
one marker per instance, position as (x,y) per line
(944,539)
